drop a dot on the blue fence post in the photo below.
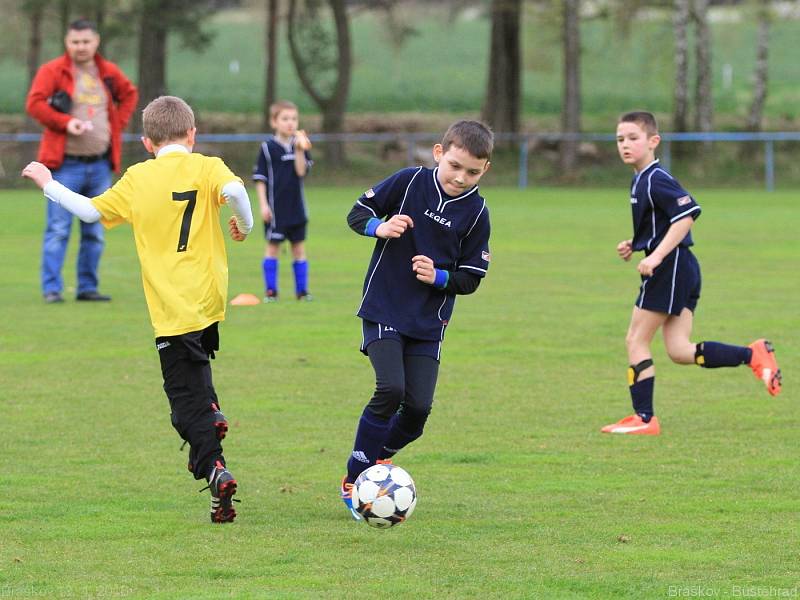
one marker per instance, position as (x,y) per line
(411,148)
(666,155)
(769,165)
(523,163)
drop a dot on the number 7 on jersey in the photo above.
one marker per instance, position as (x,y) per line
(190,198)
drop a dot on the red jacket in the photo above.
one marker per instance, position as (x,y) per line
(58,75)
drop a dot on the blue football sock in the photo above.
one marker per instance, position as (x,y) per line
(270,267)
(300,276)
(642,398)
(712,355)
(370,436)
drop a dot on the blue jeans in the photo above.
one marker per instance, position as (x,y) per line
(89,179)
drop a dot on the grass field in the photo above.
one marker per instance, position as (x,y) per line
(520,496)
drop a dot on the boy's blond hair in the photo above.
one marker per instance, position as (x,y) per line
(167,119)
(276,107)
(473,136)
(643,119)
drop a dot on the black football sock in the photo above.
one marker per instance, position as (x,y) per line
(712,355)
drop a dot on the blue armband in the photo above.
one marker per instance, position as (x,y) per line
(372,225)
(441,279)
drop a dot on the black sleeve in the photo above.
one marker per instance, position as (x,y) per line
(357,219)
(462,283)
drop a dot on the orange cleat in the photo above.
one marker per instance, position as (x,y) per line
(346,494)
(764,365)
(383,461)
(634,425)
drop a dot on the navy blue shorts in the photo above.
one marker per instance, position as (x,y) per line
(293,233)
(673,286)
(411,346)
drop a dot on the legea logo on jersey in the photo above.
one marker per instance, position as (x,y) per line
(286,157)
(438,218)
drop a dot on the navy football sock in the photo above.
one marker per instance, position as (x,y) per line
(370,436)
(405,427)
(712,355)
(270,267)
(300,276)
(642,398)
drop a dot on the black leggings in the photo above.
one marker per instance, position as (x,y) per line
(186,369)
(402,382)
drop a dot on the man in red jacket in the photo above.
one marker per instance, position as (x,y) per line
(84,102)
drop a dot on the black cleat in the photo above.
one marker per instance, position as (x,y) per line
(223,487)
(220,422)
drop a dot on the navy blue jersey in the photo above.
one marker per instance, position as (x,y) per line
(451,231)
(275,167)
(658,201)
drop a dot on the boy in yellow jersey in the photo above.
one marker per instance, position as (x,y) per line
(173,203)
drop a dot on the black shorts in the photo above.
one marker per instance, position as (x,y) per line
(371,332)
(293,233)
(673,286)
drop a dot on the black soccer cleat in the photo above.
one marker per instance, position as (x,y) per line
(223,487)
(220,422)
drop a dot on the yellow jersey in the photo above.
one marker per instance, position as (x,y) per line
(173,203)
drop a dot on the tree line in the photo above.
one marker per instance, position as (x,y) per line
(320,48)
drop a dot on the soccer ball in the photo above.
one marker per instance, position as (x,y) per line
(384,495)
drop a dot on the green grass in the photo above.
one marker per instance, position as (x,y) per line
(520,495)
(442,67)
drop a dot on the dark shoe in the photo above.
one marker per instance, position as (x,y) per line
(223,487)
(53,298)
(220,422)
(270,296)
(92,297)
(305,297)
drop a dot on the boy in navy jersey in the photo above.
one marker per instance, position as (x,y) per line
(663,214)
(433,243)
(280,168)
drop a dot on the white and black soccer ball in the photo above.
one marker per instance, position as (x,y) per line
(384,495)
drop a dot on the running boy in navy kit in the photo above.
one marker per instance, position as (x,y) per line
(173,203)
(280,168)
(433,243)
(663,214)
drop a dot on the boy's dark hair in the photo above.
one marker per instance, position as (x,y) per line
(167,119)
(82,25)
(643,119)
(473,136)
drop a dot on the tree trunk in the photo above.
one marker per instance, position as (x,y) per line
(704,101)
(680,115)
(35,17)
(756,113)
(502,103)
(270,60)
(571,112)
(333,105)
(152,79)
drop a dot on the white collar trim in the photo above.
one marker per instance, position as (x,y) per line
(169,148)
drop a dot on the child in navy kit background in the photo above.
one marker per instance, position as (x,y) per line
(433,243)
(280,168)
(663,214)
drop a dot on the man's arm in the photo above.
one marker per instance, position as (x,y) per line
(127,97)
(36,105)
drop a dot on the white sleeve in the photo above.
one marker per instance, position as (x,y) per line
(236,196)
(77,204)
